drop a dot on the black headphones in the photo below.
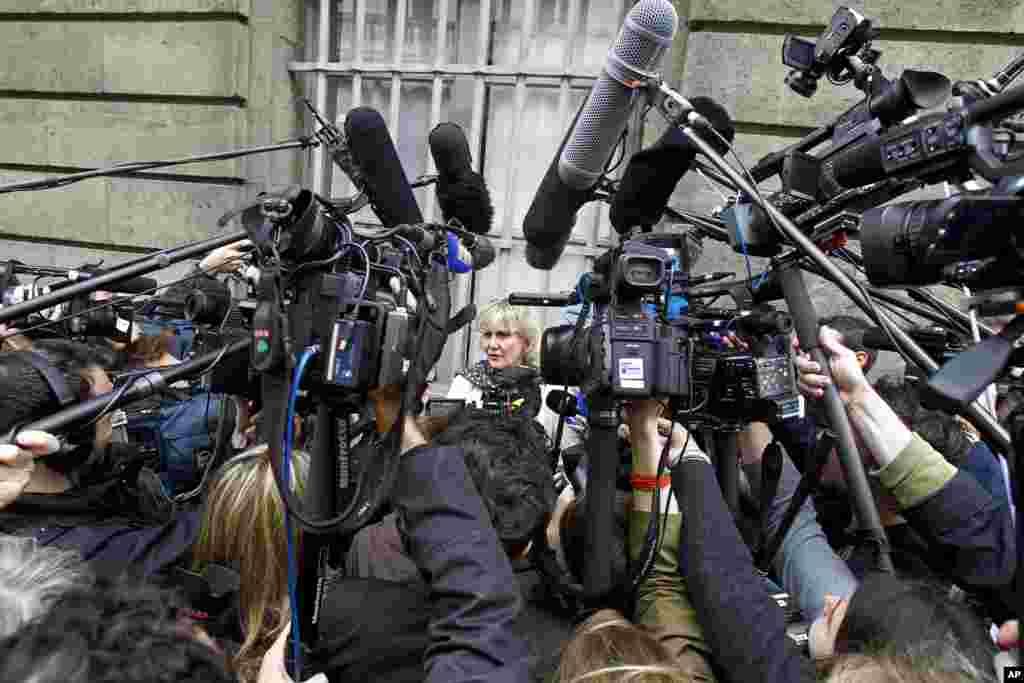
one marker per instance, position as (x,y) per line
(54,378)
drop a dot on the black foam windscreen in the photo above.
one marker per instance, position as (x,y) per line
(384,179)
(461,192)
(653,173)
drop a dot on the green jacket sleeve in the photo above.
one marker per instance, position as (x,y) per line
(663,604)
(917,473)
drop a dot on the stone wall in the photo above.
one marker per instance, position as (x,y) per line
(89,83)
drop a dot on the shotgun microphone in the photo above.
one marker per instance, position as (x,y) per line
(372,163)
(597,129)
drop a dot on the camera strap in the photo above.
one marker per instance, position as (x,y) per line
(821,453)
(771,473)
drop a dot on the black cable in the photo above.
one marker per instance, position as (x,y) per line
(655,535)
(114,398)
(620,147)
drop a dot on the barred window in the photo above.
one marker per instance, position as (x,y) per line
(512,73)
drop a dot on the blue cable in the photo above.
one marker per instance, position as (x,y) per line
(293,573)
(746,256)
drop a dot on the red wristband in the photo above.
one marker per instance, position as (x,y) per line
(641,482)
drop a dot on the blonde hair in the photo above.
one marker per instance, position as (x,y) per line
(243,527)
(501,314)
(607,648)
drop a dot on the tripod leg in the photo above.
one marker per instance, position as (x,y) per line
(599,520)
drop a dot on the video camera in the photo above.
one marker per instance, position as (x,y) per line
(735,384)
(824,189)
(356,302)
(92,315)
(631,350)
(722,367)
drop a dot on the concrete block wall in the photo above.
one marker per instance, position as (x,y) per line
(90,83)
(731,51)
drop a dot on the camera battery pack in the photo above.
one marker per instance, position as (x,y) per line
(394,362)
(632,359)
(351,359)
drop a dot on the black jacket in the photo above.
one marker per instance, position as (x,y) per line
(374,630)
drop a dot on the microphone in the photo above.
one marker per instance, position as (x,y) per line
(562,403)
(761,289)
(931,339)
(653,173)
(461,192)
(369,157)
(467,254)
(596,130)
(132,285)
(683,283)
(637,51)
(870,338)
(466,251)
(556,300)
(764,322)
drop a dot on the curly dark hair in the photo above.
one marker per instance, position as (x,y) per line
(24,392)
(893,616)
(507,457)
(120,632)
(939,429)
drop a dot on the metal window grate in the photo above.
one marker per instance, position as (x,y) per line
(520,86)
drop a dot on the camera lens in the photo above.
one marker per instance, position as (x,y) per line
(562,361)
(208,306)
(896,239)
(101,322)
(909,244)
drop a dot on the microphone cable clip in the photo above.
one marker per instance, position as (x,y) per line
(676,109)
(327,134)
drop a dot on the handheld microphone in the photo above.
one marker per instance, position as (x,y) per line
(653,173)
(596,130)
(461,192)
(372,163)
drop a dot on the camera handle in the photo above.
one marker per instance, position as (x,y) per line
(722,448)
